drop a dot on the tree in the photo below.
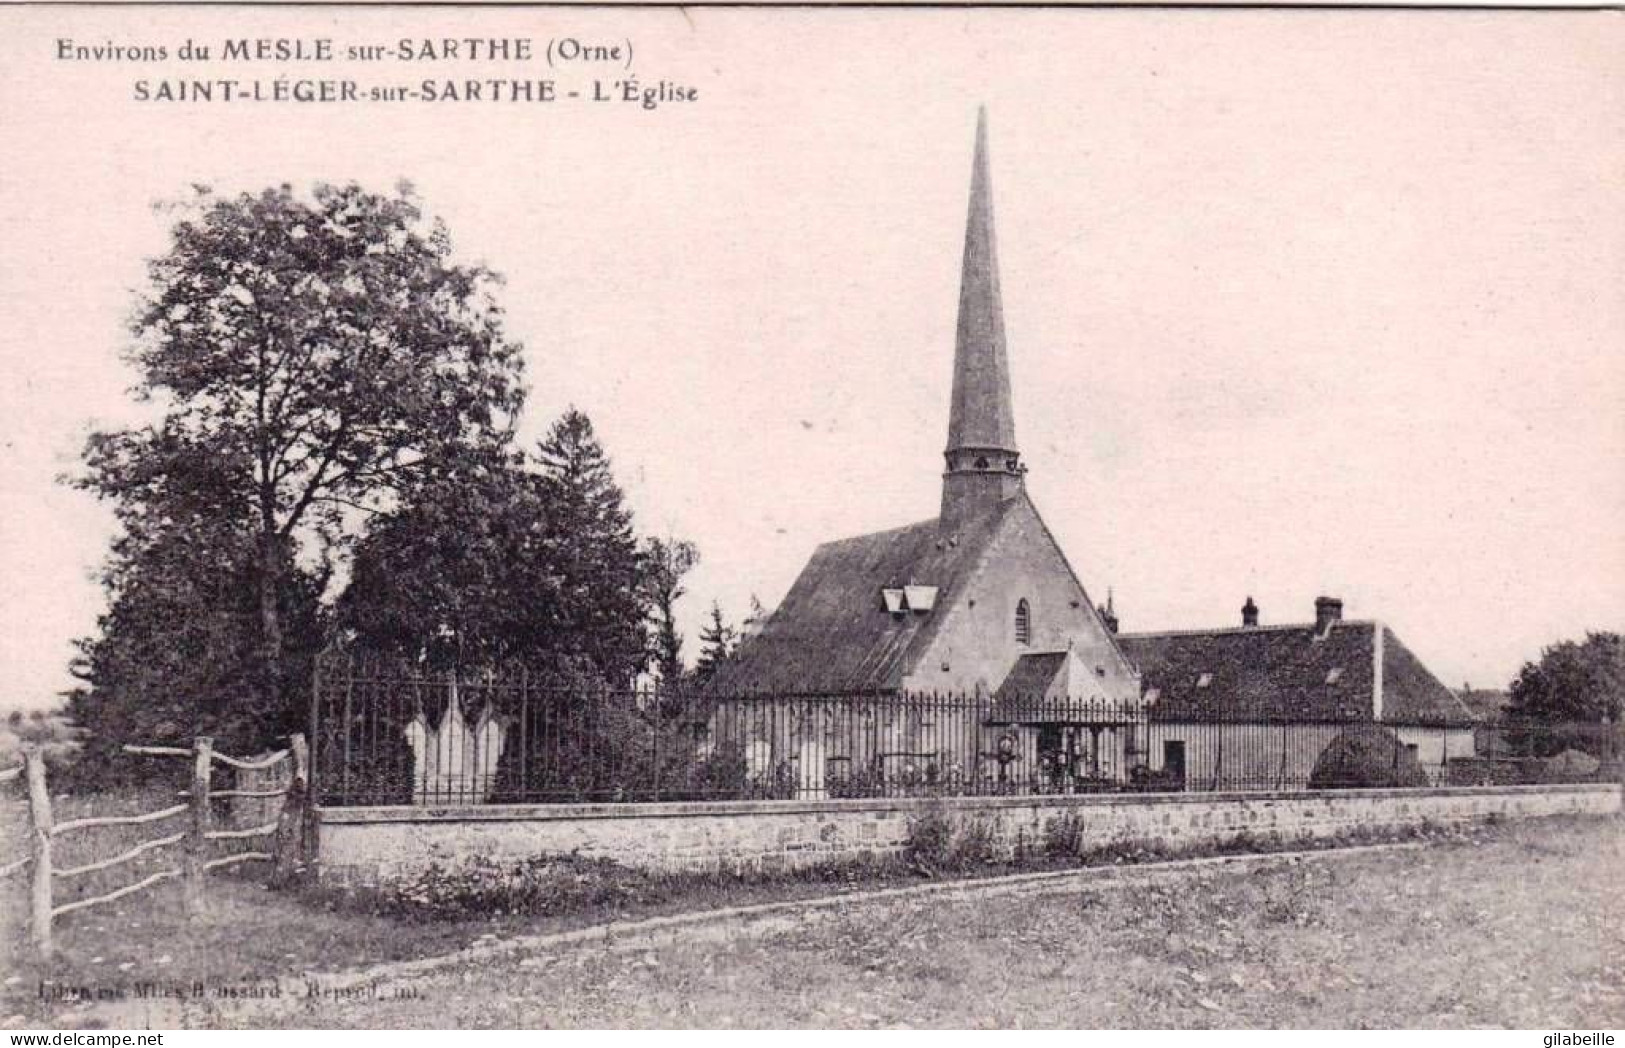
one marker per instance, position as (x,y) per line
(754,619)
(667,562)
(719,643)
(601,607)
(456,576)
(1573,682)
(53,736)
(507,558)
(1573,685)
(311,355)
(177,652)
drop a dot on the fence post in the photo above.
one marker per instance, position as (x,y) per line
(315,725)
(293,835)
(301,760)
(656,721)
(39,810)
(198,842)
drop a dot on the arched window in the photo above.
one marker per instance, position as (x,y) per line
(1024,622)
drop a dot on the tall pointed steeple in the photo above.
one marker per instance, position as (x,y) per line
(984,466)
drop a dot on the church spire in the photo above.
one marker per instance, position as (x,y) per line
(984,467)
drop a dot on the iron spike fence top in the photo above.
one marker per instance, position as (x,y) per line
(581,740)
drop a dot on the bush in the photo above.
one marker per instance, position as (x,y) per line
(1491,771)
(936,842)
(977,844)
(930,839)
(1064,836)
(1145,779)
(480,886)
(1364,756)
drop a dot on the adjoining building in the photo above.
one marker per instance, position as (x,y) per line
(1257,705)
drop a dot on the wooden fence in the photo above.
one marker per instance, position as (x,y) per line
(287,832)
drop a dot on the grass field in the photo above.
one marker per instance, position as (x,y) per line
(1517,925)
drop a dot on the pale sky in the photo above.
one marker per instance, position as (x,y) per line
(1297,302)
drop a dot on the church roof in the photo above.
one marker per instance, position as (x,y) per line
(1032,675)
(1288,673)
(1039,690)
(832,633)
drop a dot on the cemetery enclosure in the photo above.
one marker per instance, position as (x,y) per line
(384,734)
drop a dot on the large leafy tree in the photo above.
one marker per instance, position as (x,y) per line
(311,355)
(1572,681)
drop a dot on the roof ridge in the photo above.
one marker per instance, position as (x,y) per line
(930,522)
(1278,628)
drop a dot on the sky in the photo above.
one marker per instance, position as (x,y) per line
(1298,302)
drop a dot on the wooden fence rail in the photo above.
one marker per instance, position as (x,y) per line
(287,827)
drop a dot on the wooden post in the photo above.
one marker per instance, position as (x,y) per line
(39,808)
(301,758)
(197,844)
(293,835)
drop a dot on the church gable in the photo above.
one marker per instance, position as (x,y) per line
(979,638)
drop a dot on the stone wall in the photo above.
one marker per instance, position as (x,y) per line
(370,845)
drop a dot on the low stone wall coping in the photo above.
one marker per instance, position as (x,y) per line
(691,809)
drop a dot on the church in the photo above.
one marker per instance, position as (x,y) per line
(980,600)
(980,604)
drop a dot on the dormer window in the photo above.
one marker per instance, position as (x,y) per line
(1333,673)
(1204,680)
(1024,622)
(920,598)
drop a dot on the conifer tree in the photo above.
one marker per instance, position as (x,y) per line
(719,643)
(602,610)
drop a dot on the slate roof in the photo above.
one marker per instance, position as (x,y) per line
(1024,697)
(1031,676)
(832,632)
(1284,673)
(1411,692)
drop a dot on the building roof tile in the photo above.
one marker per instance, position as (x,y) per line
(833,633)
(1286,673)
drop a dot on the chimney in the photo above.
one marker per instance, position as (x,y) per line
(1328,610)
(1249,614)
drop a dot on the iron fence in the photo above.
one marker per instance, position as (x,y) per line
(390,734)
